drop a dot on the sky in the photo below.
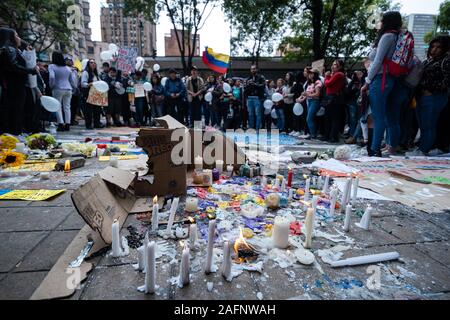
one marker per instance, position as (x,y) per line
(216,31)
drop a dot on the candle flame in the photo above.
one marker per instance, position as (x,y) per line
(244,251)
(67,166)
(155,199)
(306,203)
(191,220)
(305,176)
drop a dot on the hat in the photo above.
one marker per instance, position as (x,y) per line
(194,68)
(172,71)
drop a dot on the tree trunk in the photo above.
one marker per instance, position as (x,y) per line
(317,10)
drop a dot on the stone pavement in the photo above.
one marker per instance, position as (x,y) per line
(33,235)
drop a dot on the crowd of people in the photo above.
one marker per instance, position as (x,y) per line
(378,106)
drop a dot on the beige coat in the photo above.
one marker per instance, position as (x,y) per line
(190,87)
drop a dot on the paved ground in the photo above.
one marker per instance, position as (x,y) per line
(33,235)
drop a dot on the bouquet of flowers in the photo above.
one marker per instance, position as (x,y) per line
(41,141)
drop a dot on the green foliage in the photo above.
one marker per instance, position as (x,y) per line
(444,17)
(41,23)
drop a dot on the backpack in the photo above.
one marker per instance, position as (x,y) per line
(415,73)
(400,62)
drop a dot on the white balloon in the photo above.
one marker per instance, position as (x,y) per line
(148,86)
(208,97)
(226,87)
(277,97)
(112,47)
(101,86)
(163,81)
(156,67)
(321,112)
(84,63)
(298,109)
(50,104)
(268,104)
(274,114)
(106,55)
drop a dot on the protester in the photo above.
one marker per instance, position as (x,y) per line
(254,91)
(279,106)
(62,82)
(76,94)
(105,71)
(115,92)
(156,97)
(210,113)
(312,95)
(91,112)
(174,91)
(433,91)
(194,84)
(126,111)
(288,96)
(236,105)
(354,114)
(13,73)
(139,99)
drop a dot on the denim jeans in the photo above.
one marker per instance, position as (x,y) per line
(428,111)
(353,117)
(140,104)
(313,108)
(379,101)
(206,113)
(398,98)
(254,109)
(281,120)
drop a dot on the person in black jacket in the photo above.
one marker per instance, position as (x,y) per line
(13,77)
(254,91)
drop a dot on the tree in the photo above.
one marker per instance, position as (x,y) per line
(257,24)
(442,22)
(186,16)
(333,28)
(41,23)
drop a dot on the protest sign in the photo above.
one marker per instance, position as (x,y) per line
(126,59)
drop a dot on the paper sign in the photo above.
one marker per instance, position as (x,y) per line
(139,91)
(37,167)
(106,158)
(97,98)
(30,195)
(127,59)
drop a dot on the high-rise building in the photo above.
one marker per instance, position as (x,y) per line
(126,31)
(171,44)
(420,25)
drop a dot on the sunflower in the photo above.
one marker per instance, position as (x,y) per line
(11,159)
(8,142)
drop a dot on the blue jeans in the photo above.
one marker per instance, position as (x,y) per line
(428,111)
(254,109)
(313,108)
(398,98)
(379,101)
(280,119)
(353,117)
(140,104)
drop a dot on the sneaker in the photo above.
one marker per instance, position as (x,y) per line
(415,153)
(305,136)
(435,152)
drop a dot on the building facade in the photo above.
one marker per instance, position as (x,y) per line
(127,31)
(171,48)
(420,25)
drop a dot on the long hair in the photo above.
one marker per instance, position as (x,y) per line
(7,38)
(58,59)
(290,83)
(444,41)
(341,64)
(316,77)
(158,79)
(90,72)
(392,20)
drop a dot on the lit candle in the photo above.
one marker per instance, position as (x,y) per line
(326,184)
(198,162)
(173,210)
(355,189)
(280,234)
(67,166)
(307,185)
(193,235)
(290,175)
(309,225)
(191,205)
(115,234)
(114,161)
(209,253)
(333,196)
(150,275)
(185,266)
(219,165)
(155,221)
(348,212)
(226,263)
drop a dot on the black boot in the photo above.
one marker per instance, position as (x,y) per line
(67,127)
(60,127)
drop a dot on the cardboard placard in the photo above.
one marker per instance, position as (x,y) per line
(97,98)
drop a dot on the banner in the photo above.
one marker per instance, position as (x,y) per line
(126,59)
(97,98)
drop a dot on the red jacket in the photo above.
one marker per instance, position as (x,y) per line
(335,83)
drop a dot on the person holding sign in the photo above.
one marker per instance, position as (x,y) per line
(140,98)
(94,99)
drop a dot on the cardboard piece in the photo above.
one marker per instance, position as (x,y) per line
(438,177)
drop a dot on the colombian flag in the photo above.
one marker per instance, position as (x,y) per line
(217,62)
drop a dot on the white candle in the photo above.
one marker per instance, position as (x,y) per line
(20,147)
(150,276)
(280,234)
(364,223)
(114,161)
(173,210)
(155,220)
(191,205)
(326,184)
(355,189)
(348,212)
(45,175)
(291,193)
(372,258)
(277,183)
(309,225)
(141,258)
(198,162)
(348,185)
(333,195)
(209,253)
(193,235)
(115,234)
(226,263)
(283,185)
(185,266)
(307,185)
(219,165)
(230,169)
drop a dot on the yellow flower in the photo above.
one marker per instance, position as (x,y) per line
(8,142)
(11,159)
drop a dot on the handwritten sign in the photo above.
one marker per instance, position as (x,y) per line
(30,195)
(127,58)
(139,90)
(97,98)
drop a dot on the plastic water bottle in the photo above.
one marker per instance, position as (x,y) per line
(52,129)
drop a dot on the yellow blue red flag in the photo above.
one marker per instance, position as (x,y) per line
(217,62)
